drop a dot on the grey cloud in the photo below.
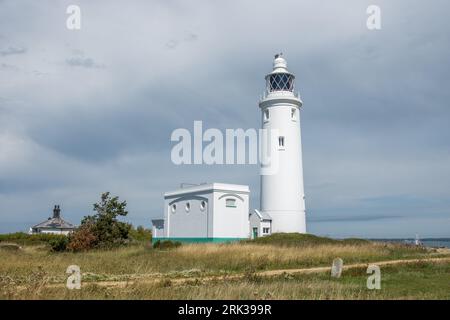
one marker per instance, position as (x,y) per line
(83,62)
(12,51)
(39,73)
(7,66)
(174,43)
(78,52)
(191,37)
(374,123)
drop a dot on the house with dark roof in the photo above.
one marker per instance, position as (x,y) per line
(53,225)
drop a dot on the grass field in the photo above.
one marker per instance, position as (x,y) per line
(225,271)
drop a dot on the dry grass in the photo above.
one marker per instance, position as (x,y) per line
(261,257)
(35,273)
(401,282)
(209,258)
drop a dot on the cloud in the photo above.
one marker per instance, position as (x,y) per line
(174,43)
(83,62)
(191,37)
(12,51)
(374,123)
(7,66)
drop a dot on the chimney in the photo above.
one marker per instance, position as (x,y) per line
(56,212)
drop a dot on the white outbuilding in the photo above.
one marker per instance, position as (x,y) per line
(215,212)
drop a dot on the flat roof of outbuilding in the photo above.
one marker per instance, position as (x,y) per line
(207,187)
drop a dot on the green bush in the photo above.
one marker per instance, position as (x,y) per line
(29,239)
(59,244)
(140,234)
(166,244)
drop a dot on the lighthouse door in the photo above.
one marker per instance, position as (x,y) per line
(255,233)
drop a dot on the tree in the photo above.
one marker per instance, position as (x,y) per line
(82,239)
(105,226)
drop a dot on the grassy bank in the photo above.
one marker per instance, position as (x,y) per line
(33,268)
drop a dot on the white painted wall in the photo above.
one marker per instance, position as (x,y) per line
(192,223)
(54,231)
(264,225)
(231,222)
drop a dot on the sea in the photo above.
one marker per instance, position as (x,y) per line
(428,242)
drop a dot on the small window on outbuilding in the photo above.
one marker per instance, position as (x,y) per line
(230,203)
(265,230)
(203,205)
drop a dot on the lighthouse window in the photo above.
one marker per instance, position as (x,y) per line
(230,203)
(188,207)
(203,205)
(294,114)
(281,82)
(174,208)
(266,115)
(281,141)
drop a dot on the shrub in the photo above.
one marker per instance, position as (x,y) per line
(166,244)
(59,244)
(140,234)
(29,239)
(82,239)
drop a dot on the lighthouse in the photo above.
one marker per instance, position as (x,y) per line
(282,195)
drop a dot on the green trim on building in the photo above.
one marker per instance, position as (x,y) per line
(199,240)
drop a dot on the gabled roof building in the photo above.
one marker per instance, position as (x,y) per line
(53,225)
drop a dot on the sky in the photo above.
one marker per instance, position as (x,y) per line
(92,110)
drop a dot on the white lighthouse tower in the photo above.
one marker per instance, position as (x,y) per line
(282,192)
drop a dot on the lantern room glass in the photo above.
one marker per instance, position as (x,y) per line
(280,82)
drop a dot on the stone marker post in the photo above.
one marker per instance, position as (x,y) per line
(336,268)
